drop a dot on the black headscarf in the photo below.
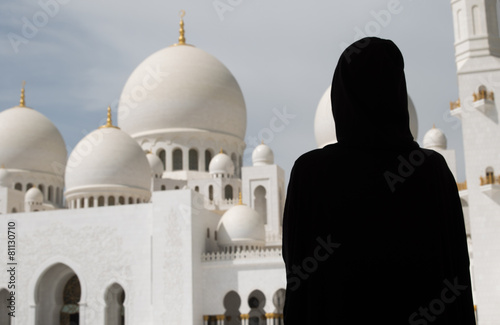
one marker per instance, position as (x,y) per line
(369,97)
(373,229)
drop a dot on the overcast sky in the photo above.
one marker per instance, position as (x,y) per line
(76,56)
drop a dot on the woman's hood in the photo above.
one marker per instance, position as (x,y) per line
(369,96)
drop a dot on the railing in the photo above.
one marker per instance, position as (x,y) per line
(462,186)
(241,254)
(489,179)
(483,94)
(454,105)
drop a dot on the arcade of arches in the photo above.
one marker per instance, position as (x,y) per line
(256,316)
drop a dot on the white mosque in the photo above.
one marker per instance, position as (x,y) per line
(157,221)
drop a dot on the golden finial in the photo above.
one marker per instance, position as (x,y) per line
(109,123)
(433,125)
(262,141)
(221,151)
(182,39)
(2,167)
(21,102)
(240,201)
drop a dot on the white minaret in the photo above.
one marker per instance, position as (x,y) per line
(477,51)
(263,188)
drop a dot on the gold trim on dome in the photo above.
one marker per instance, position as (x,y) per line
(109,123)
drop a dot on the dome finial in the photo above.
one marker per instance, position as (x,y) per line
(182,39)
(221,151)
(433,125)
(21,102)
(240,201)
(109,123)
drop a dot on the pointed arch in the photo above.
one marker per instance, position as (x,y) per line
(228,192)
(232,304)
(115,309)
(260,201)
(208,157)
(177,159)
(48,288)
(193,159)
(162,155)
(256,302)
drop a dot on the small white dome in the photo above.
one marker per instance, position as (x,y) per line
(435,139)
(107,157)
(4,177)
(182,88)
(34,195)
(324,124)
(241,225)
(30,141)
(262,155)
(155,164)
(221,164)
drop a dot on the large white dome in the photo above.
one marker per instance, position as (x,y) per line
(324,125)
(182,88)
(241,225)
(107,157)
(30,141)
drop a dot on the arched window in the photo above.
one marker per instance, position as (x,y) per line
(208,157)
(50,194)
(193,159)
(196,188)
(115,311)
(177,159)
(211,193)
(70,313)
(4,316)
(279,304)
(57,296)
(208,232)
(121,200)
(260,202)
(30,185)
(476,21)
(14,210)
(232,303)
(235,163)
(163,188)
(91,202)
(163,158)
(57,195)
(41,188)
(18,187)
(130,200)
(256,302)
(100,201)
(138,200)
(228,192)
(82,202)
(111,200)
(176,187)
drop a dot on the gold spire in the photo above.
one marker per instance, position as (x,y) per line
(109,123)
(221,151)
(433,125)
(240,201)
(21,102)
(182,39)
